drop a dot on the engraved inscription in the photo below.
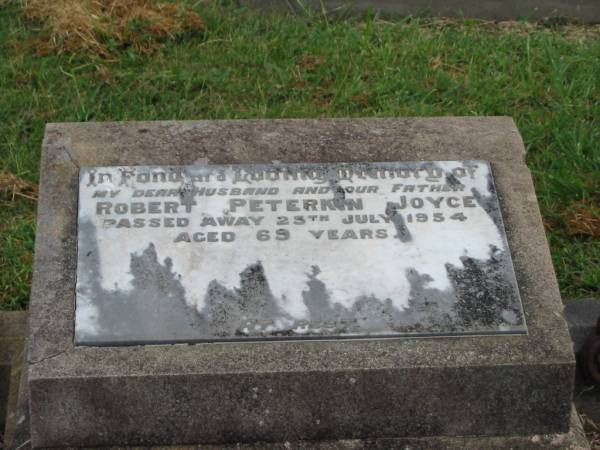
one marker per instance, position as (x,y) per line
(290,251)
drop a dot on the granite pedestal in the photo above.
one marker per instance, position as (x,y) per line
(275,391)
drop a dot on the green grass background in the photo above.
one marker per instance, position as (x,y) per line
(250,65)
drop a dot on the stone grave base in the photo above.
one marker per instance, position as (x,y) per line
(17,419)
(14,401)
(574,439)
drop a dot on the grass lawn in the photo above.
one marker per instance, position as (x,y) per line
(250,65)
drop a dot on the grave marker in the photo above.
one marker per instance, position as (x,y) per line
(444,335)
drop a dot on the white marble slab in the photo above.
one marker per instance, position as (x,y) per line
(201,253)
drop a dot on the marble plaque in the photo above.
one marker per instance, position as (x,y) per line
(292,251)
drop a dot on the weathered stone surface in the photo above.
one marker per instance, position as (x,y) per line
(13,335)
(17,428)
(583,10)
(582,316)
(573,439)
(292,390)
(16,432)
(291,251)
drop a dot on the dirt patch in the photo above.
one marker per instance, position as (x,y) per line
(12,187)
(309,62)
(583,219)
(98,26)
